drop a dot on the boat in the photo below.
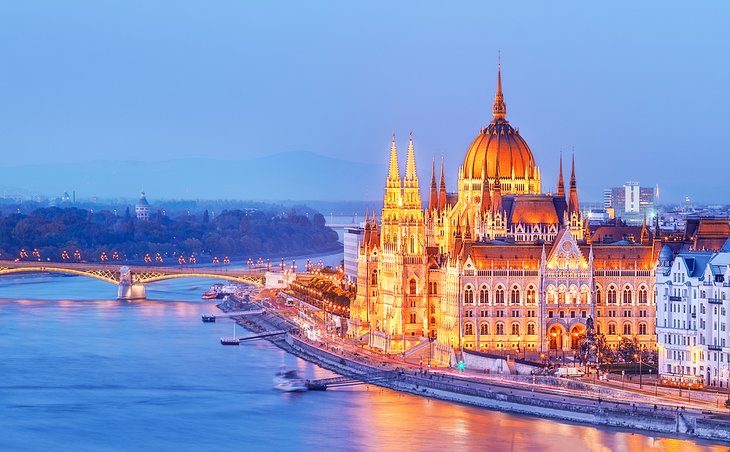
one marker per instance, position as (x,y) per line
(208,318)
(231,340)
(289,381)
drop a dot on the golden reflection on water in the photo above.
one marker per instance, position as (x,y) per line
(395,421)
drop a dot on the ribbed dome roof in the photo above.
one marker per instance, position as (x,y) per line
(499,144)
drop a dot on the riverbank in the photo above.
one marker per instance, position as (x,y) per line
(548,397)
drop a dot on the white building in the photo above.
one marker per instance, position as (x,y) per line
(693,302)
(142,209)
(352,242)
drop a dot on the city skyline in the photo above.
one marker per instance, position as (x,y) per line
(237,82)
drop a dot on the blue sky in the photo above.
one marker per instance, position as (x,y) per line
(638,89)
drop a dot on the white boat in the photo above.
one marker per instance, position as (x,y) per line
(289,381)
(231,340)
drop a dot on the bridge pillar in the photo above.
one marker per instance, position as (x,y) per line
(129,290)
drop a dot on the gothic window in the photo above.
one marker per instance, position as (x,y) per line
(412,244)
(642,328)
(484,329)
(499,295)
(627,295)
(611,295)
(500,329)
(627,329)
(483,295)
(413,317)
(515,296)
(412,286)
(374,278)
(515,329)
(433,288)
(468,295)
(469,329)
(531,329)
(598,328)
(531,295)
(611,328)
(433,320)
(598,295)
(643,295)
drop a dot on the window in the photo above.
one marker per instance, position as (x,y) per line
(530,328)
(627,295)
(468,295)
(499,295)
(643,295)
(515,329)
(433,320)
(374,278)
(469,329)
(642,328)
(598,328)
(413,317)
(500,329)
(627,329)
(515,296)
(531,295)
(483,295)
(598,296)
(611,295)
(611,328)
(484,329)
(412,286)
(433,288)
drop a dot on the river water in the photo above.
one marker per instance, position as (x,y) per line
(81,371)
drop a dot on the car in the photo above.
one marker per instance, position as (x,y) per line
(569,372)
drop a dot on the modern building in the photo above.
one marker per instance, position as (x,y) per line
(693,303)
(630,200)
(498,265)
(352,242)
(142,209)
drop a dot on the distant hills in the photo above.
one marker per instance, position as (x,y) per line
(297,175)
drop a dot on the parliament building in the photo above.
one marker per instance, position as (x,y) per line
(499,265)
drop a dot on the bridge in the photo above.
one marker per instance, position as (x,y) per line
(131,279)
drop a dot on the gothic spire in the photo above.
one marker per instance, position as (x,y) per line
(433,199)
(573,199)
(499,109)
(393,170)
(442,189)
(486,199)
(411,161)
(497,191)
(561,183)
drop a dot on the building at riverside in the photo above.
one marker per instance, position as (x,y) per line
(498,265)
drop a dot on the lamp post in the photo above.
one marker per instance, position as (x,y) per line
(638,355)
(555,338)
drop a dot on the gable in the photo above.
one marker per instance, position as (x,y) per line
(565,252)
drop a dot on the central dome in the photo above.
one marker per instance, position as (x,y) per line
(500,149)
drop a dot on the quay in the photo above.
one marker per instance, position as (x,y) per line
(541,396)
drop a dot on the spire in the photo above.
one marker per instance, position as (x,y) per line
(499,109)
(587,233)
(433,200)
(442,189)
(497,191)
(366,232)
(467,233)
(644,232)
(393,171)
(411,161)
(374,238)
(486,199)
(561,183)
(573,199)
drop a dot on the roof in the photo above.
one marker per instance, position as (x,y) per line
(532,209)
(611,234)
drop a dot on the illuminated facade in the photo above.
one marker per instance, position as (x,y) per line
(498,264)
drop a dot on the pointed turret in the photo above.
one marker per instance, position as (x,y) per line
(442,189)
(393,170)
(433,200)
(644,233)
(486,198)
(467,233)
(587,233)
(411,162)
(561,183)
(499,109)
(497,191)
(573,198)
(411,192)
(366,232)
(374,238)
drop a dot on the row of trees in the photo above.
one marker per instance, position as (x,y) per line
(243,233)
(594,348)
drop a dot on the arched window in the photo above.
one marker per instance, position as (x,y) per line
(433,288)
(413,317)
(515,329)
(515,295)
(469,329)
(598,328)
(531,295)
(611,295)
(530,329)
(412,245)
(611,328)
(499,295)
(484,329)
(598,295)
(643,295)
(500,329)
(642,328)
(412,286)
(374,278)
(627,295)
(483,295)
(627,329)
(468,295)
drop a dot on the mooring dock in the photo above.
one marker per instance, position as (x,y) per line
(323,383)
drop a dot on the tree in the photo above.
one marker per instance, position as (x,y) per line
(206,216)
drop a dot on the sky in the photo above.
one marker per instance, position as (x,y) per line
(637,90)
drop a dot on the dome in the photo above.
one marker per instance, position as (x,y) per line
(499,145)
(666,255)
(143,200)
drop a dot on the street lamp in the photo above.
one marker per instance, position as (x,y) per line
(555,338)
(640,372)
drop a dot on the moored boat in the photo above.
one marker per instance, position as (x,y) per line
(208,318)
(289,381)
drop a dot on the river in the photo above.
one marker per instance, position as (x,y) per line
(81,371)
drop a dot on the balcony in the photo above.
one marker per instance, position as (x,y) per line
(715,300)
(675,298)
